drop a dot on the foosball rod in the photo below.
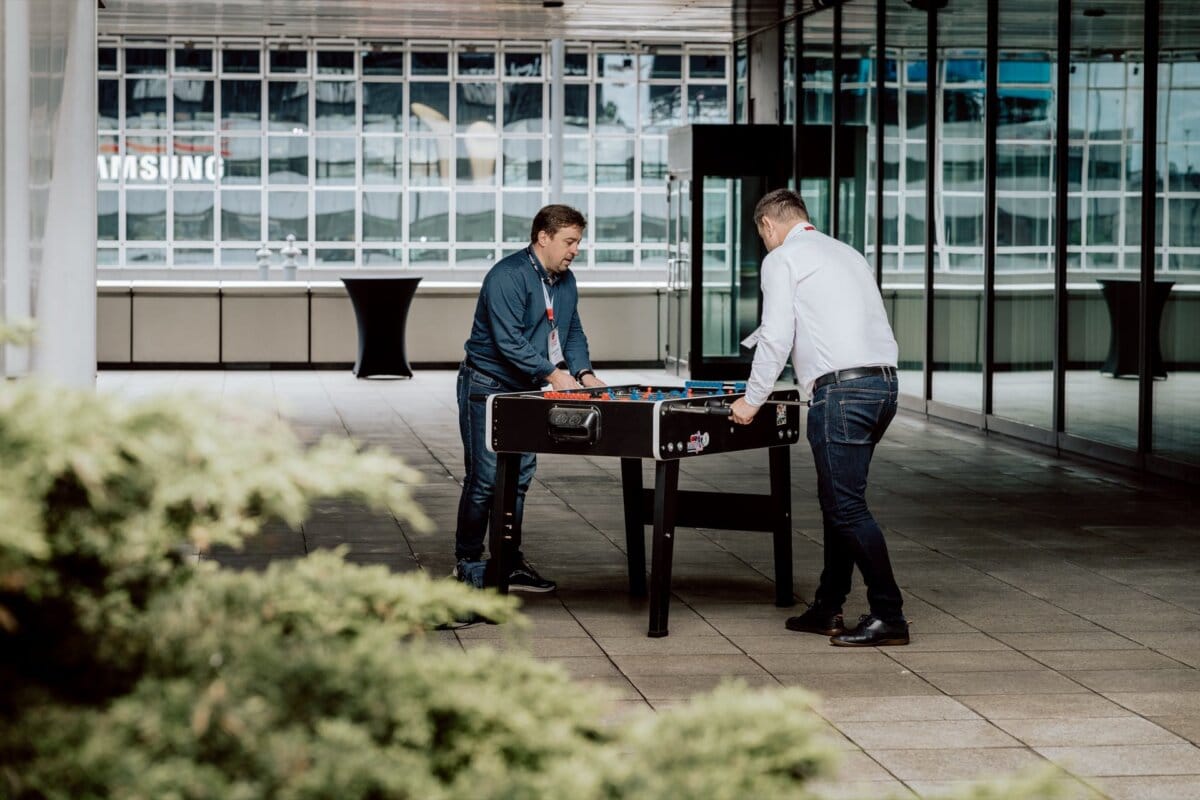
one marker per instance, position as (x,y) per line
(726,411)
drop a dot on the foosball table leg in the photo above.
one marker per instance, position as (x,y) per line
(666,485)
(504,537)
(781,512)
(635,537)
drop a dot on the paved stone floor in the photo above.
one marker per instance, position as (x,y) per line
(1055,605)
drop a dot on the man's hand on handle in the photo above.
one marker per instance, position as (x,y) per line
(742,412)
(590,381)
(562,381)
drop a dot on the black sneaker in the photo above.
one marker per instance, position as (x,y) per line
(524,578)
(817,620)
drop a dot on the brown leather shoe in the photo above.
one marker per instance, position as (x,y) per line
(873,632)
(817,620)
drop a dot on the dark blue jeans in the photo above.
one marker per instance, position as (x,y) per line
(475,504)
(845,422)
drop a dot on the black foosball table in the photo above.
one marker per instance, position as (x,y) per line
(642,422)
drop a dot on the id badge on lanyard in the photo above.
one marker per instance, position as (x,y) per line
(553,345)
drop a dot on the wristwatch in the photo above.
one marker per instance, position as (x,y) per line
(579,375)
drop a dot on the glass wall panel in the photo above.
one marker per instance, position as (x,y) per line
(335,216)
(1176,406)
(1023,318)
(958,268)
(241,215)
(287,213)
(1103,281)
(904,156)
(274,131)
(382,217)
(194,215)
(855,144)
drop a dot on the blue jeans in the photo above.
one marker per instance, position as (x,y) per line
(845,422)
(475,504)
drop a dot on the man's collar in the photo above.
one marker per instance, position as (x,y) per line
(542,272)
(797,229)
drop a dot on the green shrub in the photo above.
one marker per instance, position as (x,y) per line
(130,669)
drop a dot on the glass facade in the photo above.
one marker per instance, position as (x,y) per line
(1024,294)
(429,156)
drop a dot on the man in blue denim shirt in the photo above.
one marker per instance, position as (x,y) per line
(821,306)
(526,334)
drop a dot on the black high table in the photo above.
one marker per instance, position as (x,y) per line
(381,311)
(1122,298)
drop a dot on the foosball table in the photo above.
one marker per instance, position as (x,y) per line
(666,424)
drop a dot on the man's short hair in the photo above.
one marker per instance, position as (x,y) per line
(553,217)
(781,204)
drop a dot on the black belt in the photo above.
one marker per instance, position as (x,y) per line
(840,375)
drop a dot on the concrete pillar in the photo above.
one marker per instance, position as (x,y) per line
(16,268)
(65,350)
(765,55)
(557,115)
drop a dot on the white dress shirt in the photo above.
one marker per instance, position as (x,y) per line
(821,304)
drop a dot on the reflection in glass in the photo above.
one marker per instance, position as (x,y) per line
(519,209)
(242,157)
(335,105)
(428,217)
(108,215)
(476,107)
(708,104)
(654,216)
(654,160)
(382,220)
(287,105)
(335,160)
(193,104)
(523,162)
(616,107)
(146,215)
(145,103)
(382,257)
(335,62)
(241,105)
(429,161)
(575,107)
(430,63)
(575,161)
(523,65)
(287,212)
(383,159)
(477,156)
(241,215)
(288,60)
(523,107)
(287,159)
(330,256)
(429,110)
(145,59)
(475,218)
(108,104)
(614,217)
(662,108)
(193,256)
(383,107)
(335,216)
(240,61)
(383,62)
(614,162)
(194,215)
(706,66)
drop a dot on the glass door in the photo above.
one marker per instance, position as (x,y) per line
(679,275)
(729,295)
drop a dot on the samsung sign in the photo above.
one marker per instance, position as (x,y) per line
(159,169)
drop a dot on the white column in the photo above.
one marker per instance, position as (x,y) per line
(65,350)
(16,265)
(557,114)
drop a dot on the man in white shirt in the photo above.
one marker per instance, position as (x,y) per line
(821,305)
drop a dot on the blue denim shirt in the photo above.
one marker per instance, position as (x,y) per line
(510,335)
